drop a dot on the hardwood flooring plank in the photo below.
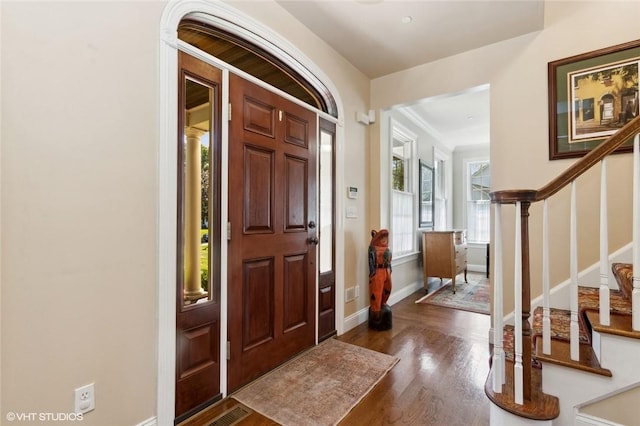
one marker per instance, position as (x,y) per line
(439,380)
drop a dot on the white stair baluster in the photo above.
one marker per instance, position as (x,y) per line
(546,320)
(498,324)
(518,382)
(635,296)
(604,248)
(573,290)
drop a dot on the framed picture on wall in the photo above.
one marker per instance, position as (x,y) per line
(591,96)
(426,196)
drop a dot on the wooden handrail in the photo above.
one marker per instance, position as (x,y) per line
(511,196)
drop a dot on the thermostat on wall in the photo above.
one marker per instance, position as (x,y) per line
(352,192)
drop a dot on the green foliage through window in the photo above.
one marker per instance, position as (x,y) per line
(398,174)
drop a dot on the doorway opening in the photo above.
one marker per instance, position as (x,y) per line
(452,132)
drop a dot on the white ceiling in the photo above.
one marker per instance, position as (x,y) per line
(370,34)
(455,119)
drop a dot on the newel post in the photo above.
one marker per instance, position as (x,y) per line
(522,198)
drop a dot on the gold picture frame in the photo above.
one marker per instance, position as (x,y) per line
(591,96)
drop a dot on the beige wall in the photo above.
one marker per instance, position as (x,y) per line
(79,204)
(621,408)
(79,135)
(516,69)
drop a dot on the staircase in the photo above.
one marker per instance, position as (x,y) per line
(588,321)
(560,356)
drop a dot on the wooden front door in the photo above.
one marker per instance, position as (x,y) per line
(273,237)
(198,237)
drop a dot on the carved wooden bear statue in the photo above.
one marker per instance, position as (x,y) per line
(379,280)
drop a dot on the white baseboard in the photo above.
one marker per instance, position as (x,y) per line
(590,277)
(477,268)
(362,315)
(149,422)
(404,292)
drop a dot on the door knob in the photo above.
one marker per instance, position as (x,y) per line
(314,240)
(312,225)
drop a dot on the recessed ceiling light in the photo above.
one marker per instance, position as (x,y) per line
(406,19)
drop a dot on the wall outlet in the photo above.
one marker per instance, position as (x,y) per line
(85,400)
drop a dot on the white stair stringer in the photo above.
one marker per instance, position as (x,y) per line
(586,420)
(576,387)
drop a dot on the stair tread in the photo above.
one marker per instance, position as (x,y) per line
(589,299)
(623,272)
(620,325)
(561,355)
(541,406)
(588,302)
(560,322)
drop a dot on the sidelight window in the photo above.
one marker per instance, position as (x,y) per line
(197,192)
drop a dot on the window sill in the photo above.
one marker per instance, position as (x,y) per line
(476,244)
(405,258)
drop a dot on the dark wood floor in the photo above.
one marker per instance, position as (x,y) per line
(439,380)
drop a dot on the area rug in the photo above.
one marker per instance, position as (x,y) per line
(473,296)
(319,387)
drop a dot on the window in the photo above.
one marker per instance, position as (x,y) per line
(440,195)
(478,184)
(403,182)
(198,174)
(327,197)
(248,54)
(425,214)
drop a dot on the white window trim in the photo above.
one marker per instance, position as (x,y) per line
(399,131)
(447,158)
